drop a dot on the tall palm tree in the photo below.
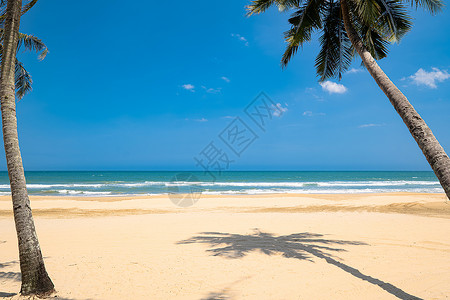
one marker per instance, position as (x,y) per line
(367,26)
(35,279)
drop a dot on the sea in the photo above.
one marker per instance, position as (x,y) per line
(113,183)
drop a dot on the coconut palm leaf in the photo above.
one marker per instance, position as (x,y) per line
(260,6)
(32,43)
(365,11)
(394,21)
(304,21)
(22,80)
(377,22)
(336,51)
(434,6)
(374,42)
(28,6)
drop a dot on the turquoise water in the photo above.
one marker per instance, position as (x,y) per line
(149,183)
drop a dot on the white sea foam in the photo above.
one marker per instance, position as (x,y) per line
(306,184)
(56,185)
(89,193)
(236,187)
(235,184)
(140,184)
(319,191)
(88,185)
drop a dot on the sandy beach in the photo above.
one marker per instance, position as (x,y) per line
(359,246)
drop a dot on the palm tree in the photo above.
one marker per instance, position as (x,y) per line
(367,26)
(35,279)
(23,81)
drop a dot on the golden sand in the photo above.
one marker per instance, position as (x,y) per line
(361,246)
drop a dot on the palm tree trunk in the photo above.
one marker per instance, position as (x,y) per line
(433,151)
(35,279)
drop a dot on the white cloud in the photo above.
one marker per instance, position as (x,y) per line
(211,90)
(188,87)
(226,79)
(228,117)
(201,120)
(197,120)
(370,125)
(278,109)
(309,113)
(333,87)
(241,38)
(422,77)
(353,71)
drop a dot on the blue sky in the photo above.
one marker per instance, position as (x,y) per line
(147,86)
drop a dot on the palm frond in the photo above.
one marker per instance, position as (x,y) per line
(368,30)
(32,43)
(433,6)
(336,51)
(377,23)
(365,11)
(28,6)
(260,6)
(23,81)
(304,21)
(2,13)
(394,21)
(374,42)
(346,51)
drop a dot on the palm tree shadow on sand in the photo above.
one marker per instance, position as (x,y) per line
(15,276)
(304,246)
(222,295)
(11,276)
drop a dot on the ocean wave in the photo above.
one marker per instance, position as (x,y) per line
(89,185)
(89,193)
(320,191)
(305,184)
(109,188)
(140,184)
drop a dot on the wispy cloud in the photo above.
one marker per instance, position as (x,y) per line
(312,92)
(228,117)
(429,79)
(333,87)
(370,125)
(309,113)
(188,87)
(197,120)
(212,90)
(279,110)
(241,38)
(353,71)
(201,120)
(226,79)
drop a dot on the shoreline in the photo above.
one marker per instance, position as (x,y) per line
(268,195)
